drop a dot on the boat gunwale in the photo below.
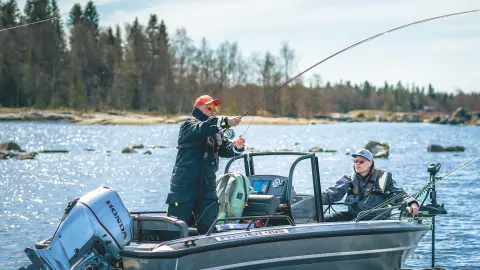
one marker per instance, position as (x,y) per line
(345,231)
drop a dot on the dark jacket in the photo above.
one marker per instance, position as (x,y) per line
(364,193)
(200,144)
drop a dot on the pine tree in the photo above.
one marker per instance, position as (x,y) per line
(91,17)
(10,57)
(76,14)
(163,31)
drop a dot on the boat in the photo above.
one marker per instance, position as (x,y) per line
(279,229)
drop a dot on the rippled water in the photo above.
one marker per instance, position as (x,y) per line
(34,193)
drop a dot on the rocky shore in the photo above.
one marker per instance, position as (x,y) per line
(459,117)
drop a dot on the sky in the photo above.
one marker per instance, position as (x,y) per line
(444,52)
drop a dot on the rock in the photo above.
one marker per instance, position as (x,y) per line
(381,118)
(328,150)
(378,149)
(443,121)
(454,149)
(435,148)
(435,119)
(136,146)
(459,113)
(31,155)
(128,150)
(413,118)
(315,149)
(11,146)
(89,149)
(26,156)
(459,116)
(52,151)
(148,152)
(157,146)
(439,148)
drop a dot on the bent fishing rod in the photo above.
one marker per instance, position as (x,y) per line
(419,193)
(346,49)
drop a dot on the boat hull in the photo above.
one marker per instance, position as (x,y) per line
(364,245)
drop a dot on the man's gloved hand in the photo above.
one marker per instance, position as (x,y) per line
(234,120)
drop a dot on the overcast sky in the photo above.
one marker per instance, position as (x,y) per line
(443,52)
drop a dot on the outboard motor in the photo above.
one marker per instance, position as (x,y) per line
(90,235)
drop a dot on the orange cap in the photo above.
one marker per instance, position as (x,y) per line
(206,99)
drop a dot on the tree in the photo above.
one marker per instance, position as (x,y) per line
(431,91)
(146,69)
(287,56)
(163,32)
(91,17)
(76,15)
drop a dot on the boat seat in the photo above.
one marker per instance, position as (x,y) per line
(155,229)
(261,205)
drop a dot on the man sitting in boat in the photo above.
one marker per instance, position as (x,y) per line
(366,188)
(200,144)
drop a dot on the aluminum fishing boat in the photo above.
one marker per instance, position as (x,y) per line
(279,229)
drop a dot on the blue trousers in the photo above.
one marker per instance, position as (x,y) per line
(200,212)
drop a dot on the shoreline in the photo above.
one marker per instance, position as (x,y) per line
(115,117)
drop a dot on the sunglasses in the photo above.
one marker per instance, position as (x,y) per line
(359,161)
(212,108)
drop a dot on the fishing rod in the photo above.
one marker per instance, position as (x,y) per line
(419,193)
(346,49)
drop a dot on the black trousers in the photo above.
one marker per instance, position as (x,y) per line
(200,213)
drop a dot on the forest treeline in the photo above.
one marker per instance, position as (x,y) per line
(146,68)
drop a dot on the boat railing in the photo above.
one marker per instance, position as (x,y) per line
(252,221)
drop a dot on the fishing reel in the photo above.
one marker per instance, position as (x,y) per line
(229,133)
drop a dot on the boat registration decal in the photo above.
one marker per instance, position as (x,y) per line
(251,234)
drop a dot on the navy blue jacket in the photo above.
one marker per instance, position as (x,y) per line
(200,144)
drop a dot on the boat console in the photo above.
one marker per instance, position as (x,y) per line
(269,185)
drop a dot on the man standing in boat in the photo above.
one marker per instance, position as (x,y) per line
(193,181)
(366,188)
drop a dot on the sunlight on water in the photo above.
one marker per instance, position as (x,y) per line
(34,193)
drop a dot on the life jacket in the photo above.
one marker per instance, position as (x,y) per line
(376,184)
(232,192)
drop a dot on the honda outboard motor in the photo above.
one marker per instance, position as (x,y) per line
(90,235)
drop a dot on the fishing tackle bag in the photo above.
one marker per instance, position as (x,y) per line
(232,192)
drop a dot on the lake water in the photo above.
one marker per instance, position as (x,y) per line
(34,193)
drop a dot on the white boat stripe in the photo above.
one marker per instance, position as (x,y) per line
(323,255)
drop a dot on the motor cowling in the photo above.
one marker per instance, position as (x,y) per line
(92,232)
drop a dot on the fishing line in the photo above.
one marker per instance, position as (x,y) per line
(41,21)
(346,49)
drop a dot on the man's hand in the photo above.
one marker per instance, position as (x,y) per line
(239,143)
(413,209)
(233,121)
